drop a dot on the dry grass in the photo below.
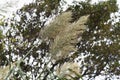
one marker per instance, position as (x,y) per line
(4,72)
(65,41)
(64,70)
(64,34)
(58,25)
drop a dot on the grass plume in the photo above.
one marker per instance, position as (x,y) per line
(65,41)
(56,26)
(64,34)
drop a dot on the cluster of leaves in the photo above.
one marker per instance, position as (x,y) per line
(101,42)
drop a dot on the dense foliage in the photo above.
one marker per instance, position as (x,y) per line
(100,43)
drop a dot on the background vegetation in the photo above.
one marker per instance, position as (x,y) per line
(22,45)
